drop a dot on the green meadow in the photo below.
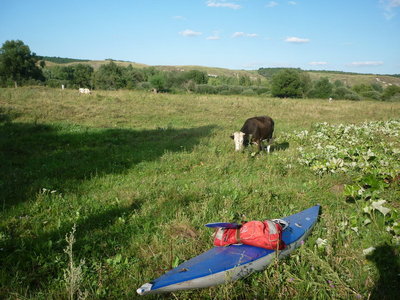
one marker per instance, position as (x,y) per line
(101,193)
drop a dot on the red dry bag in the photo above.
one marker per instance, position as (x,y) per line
(266,234)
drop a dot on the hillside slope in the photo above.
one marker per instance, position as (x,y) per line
(349,79)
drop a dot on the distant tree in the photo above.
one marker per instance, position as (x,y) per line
(82,75)
(391,92)
(369,91)
(244,80)
(175,80)
(287,83)
(133,76)
(361,88)
(377,87)
(338,84)
(196,76)
(17,63)
(158,81)
(270,72)
(109,77)
(322,88)
(306,83)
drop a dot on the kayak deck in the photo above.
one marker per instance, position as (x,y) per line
(220,259)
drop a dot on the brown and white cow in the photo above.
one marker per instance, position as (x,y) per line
(254,130)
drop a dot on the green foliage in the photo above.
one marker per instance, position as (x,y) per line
(109,77)
(322,88)
(74,76)
(196,76)
(270,72)
(369,91)
(244,80)
(289,83)
(82,75)
(133,76)
(158,81)
(18,64)
(391,92)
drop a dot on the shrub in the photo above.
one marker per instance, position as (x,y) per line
(260,90)
(158,81)
(109,77)
(390,92)
(248,92)
(322,88)
(287,83)
(206,89)
(374,95)
(144,86)
(196,76)
(352,96)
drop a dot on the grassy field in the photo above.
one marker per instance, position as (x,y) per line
(139,174)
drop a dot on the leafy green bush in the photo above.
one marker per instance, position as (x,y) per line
(248,92)
(374,95)
(197,76)
(392,92)
(158,81)
(322,88)
(287,83)
(352,96)
(109,77)
(206,89)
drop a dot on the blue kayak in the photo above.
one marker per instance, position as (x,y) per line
(224,264)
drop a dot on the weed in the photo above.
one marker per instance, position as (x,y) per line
(73,274)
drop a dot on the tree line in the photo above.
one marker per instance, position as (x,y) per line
(18,66)
(294,83)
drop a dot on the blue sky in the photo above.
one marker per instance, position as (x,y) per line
(346,35)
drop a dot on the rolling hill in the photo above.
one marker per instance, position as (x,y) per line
(347,78)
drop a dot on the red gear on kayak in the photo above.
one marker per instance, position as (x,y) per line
(265,234)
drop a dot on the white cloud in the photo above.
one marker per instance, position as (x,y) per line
(297,40)
(213,37)
(292,2)
(365,63)
(190,33)
(318,63)
(224,4)
(243,34)
(272,4)
(238,34)
(389,7)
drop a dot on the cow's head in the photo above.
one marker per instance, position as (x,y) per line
(238,138)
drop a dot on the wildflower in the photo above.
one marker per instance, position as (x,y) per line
(330,282)
(321,243)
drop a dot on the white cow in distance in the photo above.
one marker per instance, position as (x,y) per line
(84,91)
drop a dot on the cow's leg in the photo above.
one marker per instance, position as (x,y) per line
(260,145)
(270,141)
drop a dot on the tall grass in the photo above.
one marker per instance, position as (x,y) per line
(141,173)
